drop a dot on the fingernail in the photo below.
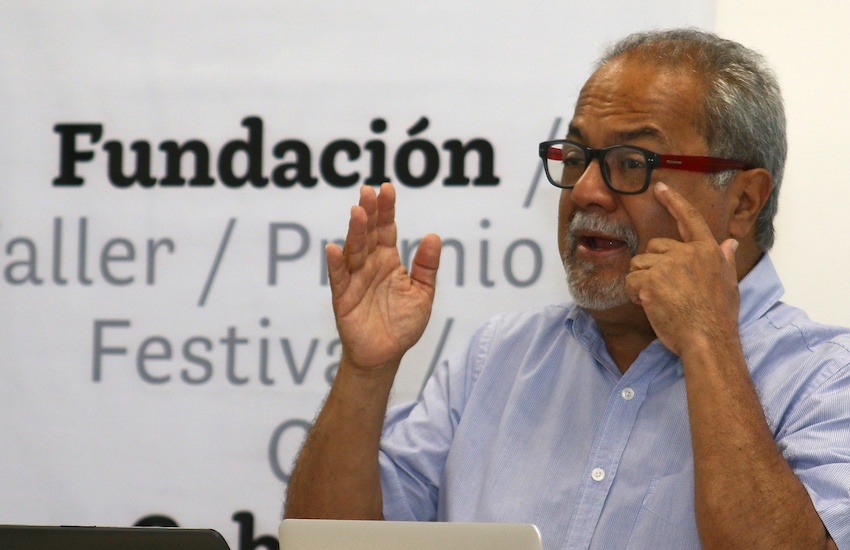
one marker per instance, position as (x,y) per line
(661,186)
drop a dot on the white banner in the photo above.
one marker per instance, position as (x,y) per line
(169,175)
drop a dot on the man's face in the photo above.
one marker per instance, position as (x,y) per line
(630,102)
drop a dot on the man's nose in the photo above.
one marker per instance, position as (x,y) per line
(590,189)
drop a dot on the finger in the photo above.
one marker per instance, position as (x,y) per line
(661,245)
(426,261)
(386,227)
(356,248)
(643,261)
(369,203)
(635,281)
(692,226)
(337,272)
(729,247)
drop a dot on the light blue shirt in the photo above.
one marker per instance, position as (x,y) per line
(536,424)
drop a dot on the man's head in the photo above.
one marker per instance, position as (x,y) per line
(742,113)
(681,92)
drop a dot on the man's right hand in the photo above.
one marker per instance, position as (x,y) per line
(381,311)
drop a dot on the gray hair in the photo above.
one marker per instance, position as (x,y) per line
(743,116)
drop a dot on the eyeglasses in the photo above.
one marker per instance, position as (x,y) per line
(625,169)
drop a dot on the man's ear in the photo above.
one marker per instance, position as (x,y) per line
(751,188)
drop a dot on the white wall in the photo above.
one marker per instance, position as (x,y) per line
(808,45)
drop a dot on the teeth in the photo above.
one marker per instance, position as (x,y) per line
(597,243)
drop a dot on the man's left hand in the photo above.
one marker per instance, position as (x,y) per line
(688,288)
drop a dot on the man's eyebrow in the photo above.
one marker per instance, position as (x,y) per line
(621,137)
(645,131)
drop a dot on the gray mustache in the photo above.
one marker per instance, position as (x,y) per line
(597,223)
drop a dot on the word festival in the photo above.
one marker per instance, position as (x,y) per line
(239,162)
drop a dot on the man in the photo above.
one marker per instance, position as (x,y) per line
(675,403)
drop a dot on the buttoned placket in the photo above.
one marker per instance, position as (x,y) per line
(615,428)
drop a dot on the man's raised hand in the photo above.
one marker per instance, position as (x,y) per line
(381,310)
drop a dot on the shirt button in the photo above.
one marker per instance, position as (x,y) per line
(598,474)
(627,393)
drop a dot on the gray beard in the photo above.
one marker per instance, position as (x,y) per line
(586,288)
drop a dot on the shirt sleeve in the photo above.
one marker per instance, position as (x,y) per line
(417,438)
(817,446)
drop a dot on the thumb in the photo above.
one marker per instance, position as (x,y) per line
(729,246)
(426,261)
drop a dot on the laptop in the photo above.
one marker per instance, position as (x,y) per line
(40,537)
(322,534)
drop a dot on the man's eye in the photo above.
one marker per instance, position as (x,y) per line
(632,163)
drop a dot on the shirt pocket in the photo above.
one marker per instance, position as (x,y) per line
(666,517)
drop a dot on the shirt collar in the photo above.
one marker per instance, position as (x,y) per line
(760,289)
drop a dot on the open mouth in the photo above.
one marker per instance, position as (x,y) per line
(595,243)
(597,236)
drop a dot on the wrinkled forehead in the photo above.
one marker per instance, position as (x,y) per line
(640,68)
(632,87)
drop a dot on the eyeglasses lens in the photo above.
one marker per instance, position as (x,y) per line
(624,168)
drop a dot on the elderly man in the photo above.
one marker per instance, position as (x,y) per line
(676,402)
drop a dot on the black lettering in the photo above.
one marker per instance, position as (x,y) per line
(430,158)
(253,151)
(327,163)
(416,163)
(69,155)
(299,168)
(246,534)
(378,155)
(457,162)
(173,161)
(156,521)
(142,175)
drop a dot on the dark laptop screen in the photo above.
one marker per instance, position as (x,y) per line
(108,538)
